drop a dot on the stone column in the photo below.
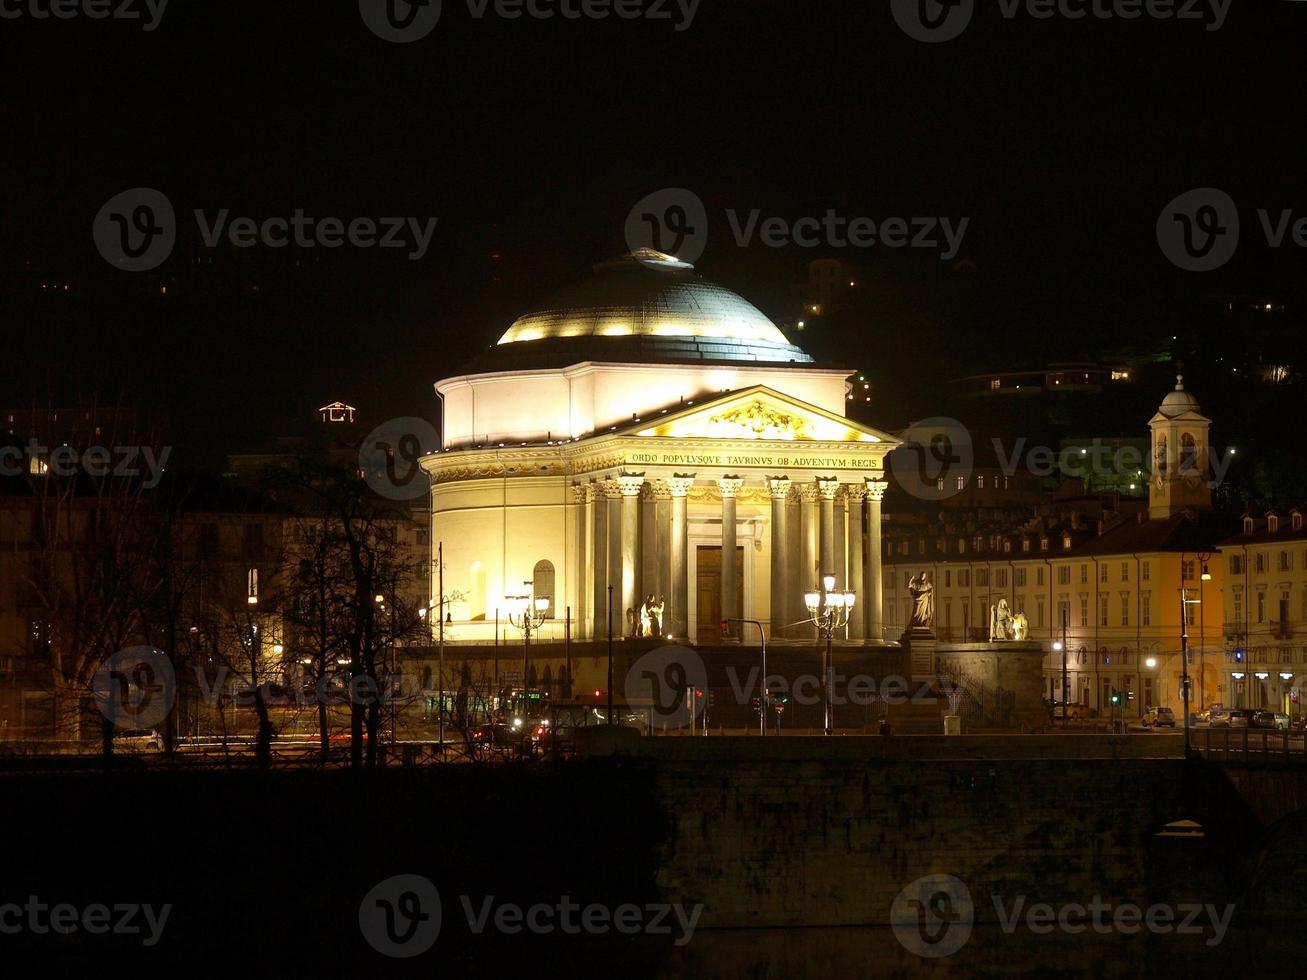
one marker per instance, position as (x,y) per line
(841,539)
(583,564)
(602,491)
(630,484)
(874,584)
(827,488)
(730,486)
(677,612)
(809,574)
(858,621)
(780,555)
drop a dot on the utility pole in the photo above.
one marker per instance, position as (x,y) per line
(440,569)
(1184,661)
(610,654)
(1064,674)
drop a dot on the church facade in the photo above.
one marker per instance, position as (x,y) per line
(648,446)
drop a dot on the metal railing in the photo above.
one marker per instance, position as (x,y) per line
(1249,746)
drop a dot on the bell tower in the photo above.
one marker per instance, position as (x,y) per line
(1180,478)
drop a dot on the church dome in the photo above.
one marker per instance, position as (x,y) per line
(1179,401)
(648,306)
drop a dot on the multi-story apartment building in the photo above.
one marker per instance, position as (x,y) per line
(1265,624)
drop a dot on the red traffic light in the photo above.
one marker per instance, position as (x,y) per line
(599,694)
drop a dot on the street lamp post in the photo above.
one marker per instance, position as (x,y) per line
(829,610)
(1185,602)
(527,613)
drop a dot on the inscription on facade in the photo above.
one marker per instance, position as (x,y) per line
(727,459)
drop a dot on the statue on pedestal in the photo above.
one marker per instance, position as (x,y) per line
(922,591)
(1000,622)
(651,617)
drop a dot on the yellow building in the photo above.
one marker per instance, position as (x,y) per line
(1113,591)
(1265,630)
(628,434)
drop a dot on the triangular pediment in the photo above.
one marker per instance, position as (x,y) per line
(760,413)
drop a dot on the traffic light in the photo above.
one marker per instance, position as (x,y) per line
(1238,656)
(1129,695)
(712,698)
(1116,699)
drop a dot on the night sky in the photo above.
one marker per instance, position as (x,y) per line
(531,140)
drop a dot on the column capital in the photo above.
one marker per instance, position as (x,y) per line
(629,484)
(657,490)
(876,490)
(780,487)
(806,491)
(609,488)
(827,486)
(856,494)
(680,484)
(730,486)
(583,492)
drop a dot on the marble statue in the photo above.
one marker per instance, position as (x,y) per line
(922,591)
(1000,622)
(1020,627)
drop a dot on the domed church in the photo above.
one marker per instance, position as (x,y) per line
(649,432)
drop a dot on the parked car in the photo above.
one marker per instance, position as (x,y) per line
(1241,717)
(1073,710)
(1270,719)
(138,740)
(1159,717)
(1218,717)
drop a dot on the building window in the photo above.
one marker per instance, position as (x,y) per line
(1286,561)
(1125,608)
(1019,576)
(980,483)
(1259,563)
(1064,575)
(964,577)
(1145,609)
(1238,608)
(948,580)
(1125,571)
(1236,564)
(1039,612)
(1146,571)
(962,483)
(1039,575)
(542,584)
(939,485)
(1000,578)
(1102,573)
(1261,607)
(1187,570)
(1102,609)
(982,577)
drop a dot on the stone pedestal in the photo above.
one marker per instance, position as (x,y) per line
(1003,681)
(920,646)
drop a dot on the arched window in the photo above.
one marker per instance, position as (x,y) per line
(1188,453)
(542,584)
(548,680)
(1159,455)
